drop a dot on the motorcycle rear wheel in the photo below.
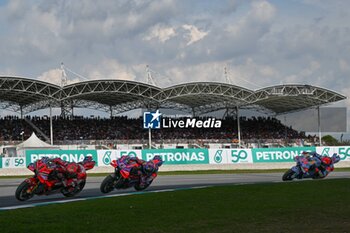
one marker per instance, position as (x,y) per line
(317,177)
(21,192)
(138,187)
(67,193)
(288,175)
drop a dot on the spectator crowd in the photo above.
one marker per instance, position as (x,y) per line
(12,128)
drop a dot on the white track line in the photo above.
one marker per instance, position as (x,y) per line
(92,198)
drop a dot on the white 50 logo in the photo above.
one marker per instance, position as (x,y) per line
(13,162)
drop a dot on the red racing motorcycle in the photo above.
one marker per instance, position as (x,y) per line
(48,179)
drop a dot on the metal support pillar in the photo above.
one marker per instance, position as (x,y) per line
(51,126)
(21,109)
(319,125)
(238,127)
(149,139)
(193,113)
(111,111)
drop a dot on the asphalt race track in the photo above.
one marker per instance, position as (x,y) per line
(92,188)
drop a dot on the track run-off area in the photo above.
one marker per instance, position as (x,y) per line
(163,183)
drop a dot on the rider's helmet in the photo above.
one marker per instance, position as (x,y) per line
(326,160)
(87,159)
(48,162)
(72,168)
(158,160)
(149,168)
(88,163)
(45,159)
(335,158)
(305,153)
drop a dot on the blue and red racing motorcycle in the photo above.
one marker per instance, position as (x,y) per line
(312,166)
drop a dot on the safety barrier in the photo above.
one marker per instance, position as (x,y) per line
(179,156)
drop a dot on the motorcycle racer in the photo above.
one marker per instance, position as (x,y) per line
(51,175)
(75,172)
(308,161)
(63,171)
(51,172)
(147,170)
(150,169)
(313,163)
(327,165)
(131,172)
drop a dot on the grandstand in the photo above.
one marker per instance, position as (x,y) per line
(24,95)
(125,129)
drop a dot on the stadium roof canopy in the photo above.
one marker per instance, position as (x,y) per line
(17,94)
(203,97)
(116,96)
(287,98)
(110,95)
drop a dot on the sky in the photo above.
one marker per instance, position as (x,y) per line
(261,43)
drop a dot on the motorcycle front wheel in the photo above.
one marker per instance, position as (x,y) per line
(289,175)
(107,184)
(22,192)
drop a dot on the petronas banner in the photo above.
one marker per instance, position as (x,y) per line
(178,156)
(275,155)
(67,155)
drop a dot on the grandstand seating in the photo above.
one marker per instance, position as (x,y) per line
(126,129)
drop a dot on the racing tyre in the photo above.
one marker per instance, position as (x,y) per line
(21,192)
(70,193)
(289,175)
(317,177)
(107,184)
(139,187)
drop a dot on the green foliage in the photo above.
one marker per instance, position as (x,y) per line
(330,140)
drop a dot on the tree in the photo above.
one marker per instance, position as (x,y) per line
(330,140)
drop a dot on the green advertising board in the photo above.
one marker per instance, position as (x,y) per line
(67,155)
(178,156)
(0,161)
(342,151)
(276,155)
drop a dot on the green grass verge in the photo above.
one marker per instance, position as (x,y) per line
(310,206)
(201,172)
